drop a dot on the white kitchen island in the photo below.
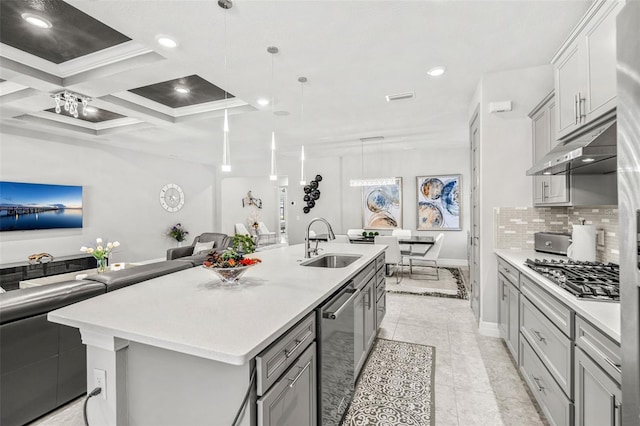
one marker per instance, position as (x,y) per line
(179,349)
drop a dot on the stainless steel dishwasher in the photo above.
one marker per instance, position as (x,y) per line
(336,364)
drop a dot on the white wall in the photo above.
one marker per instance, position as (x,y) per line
(120,197)
(505,155)
(341,204)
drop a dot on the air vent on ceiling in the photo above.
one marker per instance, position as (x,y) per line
(398,96)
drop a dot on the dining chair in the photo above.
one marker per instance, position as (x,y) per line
(405,249)
(341,239)
(392,255)
(430,257)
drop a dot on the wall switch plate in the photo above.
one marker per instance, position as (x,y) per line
(100,381)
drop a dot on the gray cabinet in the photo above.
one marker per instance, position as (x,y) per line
(365,323)
(509,305)
(585,69)
(291,401)
(598,399)
(370,325)
(546,189)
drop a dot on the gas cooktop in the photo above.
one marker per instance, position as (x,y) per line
(585,280)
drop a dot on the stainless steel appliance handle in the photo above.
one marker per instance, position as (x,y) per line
(295,379)
(335,314)
(613,364)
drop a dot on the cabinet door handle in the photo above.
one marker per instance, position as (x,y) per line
(537,382)
(613,364)
(295,379)
(288,353)
(504,291)
(538,335)
(617,417)
(575,109)
(582,101)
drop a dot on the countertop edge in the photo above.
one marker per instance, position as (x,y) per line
(581,307)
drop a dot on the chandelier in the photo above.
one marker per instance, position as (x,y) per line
(70,102)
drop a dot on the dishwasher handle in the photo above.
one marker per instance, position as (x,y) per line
(335,314)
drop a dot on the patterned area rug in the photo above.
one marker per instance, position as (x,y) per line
(450,284)
(395,387)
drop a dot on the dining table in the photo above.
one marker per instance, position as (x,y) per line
(420,244)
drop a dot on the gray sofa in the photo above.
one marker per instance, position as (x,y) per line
(43,364)
(221,242)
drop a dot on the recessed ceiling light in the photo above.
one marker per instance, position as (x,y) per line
(436,71)
(91,110)
(588,160)
(166,41)
(263,102)
(36,21)
(181,89)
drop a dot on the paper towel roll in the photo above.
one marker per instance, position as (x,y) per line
(583,245)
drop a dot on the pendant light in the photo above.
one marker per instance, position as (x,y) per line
(226,154)
(302,80)
(273,175)
(373,180)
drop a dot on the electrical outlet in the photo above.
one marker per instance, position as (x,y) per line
(600,237)
(100,381)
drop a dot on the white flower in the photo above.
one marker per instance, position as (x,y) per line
(98,240)
(99,248)
(83,249)
(89,250)
(116,244)
(109,246)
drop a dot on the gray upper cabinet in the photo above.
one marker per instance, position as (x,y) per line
(585,69)
(546,189)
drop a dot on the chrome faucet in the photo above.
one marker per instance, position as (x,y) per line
(307,244)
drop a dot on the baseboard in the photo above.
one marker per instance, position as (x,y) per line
(489,329)
(453,262)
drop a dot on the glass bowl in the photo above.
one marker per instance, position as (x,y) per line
(228,276)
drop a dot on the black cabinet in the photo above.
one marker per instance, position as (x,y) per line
(12,274)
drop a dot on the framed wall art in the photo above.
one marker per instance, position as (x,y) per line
(382,206)
(438,202)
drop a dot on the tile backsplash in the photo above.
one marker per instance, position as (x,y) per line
(514,226)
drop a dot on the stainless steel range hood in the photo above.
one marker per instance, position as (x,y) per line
(590,152)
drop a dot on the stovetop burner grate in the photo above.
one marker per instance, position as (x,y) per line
(585,280)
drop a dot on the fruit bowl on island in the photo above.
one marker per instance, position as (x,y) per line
(229,265)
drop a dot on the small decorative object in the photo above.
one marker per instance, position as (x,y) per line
(438,202)
(312,194)
(250,200)
(254,221)
(229,265)
(40,258)
(171,197)
(178,233)
(364,234)
(100,252)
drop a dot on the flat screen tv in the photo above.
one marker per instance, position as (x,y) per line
(26,206)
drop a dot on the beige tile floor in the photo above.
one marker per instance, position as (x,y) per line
(476,382)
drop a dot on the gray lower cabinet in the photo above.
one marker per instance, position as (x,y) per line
(370,325)
(508,314)
(598,397)
(291,401)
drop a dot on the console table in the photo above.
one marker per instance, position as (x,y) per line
(12,273)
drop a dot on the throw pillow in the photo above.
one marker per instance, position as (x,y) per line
(203,247)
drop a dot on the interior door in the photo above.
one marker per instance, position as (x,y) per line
(474,261)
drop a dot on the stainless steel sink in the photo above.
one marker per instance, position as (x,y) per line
(332,260)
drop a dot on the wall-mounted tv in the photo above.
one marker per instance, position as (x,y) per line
(26,206)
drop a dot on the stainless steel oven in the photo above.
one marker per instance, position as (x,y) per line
(336,363)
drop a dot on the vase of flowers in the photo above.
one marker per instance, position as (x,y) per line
(178,233)
(100,253)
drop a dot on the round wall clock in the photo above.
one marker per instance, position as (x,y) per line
(171,197)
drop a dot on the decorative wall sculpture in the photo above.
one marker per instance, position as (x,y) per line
(250,200)
(311,194)
(382,206)
(438,202)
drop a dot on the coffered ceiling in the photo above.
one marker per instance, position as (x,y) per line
(353,53)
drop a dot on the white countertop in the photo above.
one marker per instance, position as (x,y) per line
(189,312)
(603,315)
